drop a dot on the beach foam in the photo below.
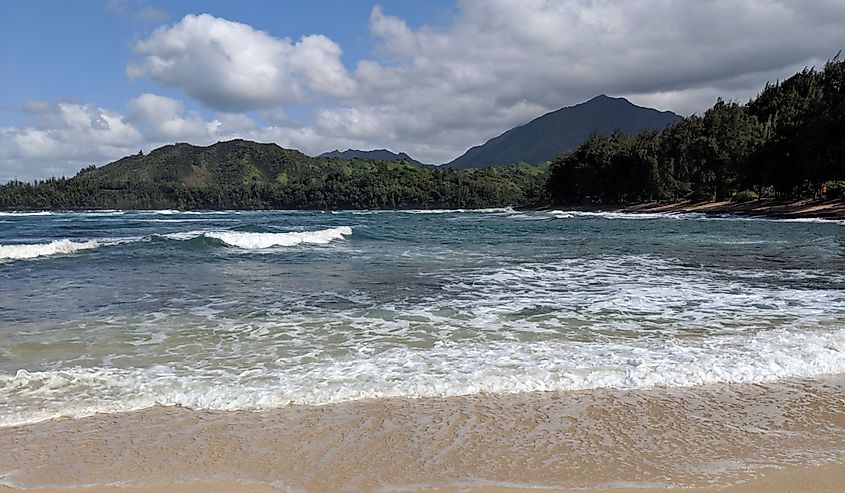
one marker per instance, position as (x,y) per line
(569,214)
(447,369)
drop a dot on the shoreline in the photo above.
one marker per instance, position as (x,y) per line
(806,208)
(734,437)
(766,208)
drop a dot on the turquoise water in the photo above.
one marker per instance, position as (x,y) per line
(111,311)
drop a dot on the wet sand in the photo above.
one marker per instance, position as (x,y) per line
(820,479)
(740,437)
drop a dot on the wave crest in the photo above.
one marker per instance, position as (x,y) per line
(33,250)
(258,241)
(25,214)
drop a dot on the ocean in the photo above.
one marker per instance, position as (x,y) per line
(111,311)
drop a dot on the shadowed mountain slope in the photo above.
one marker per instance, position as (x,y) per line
(546,137)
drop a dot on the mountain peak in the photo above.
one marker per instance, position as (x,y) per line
(604,98)
(550,135)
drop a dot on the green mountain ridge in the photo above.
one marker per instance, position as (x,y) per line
(229,163)
(554,133)
(240,174)
(375,154)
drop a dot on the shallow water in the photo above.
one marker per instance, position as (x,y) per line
(701,436)
(111,311)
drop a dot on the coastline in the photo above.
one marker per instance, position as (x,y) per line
(725,437)
(798,209)
(765,208)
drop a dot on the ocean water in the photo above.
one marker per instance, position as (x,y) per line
(115,311)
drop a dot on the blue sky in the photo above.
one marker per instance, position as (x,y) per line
(90,81)
(78,50)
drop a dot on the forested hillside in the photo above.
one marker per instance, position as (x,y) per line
(788,142)
(240,174)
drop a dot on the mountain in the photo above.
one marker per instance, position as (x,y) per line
(546,137)
(234,163)
(231,163)
(376,155)
(240,174)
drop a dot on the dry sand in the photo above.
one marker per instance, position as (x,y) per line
(745,438)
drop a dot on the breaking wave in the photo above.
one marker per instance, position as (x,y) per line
(33,250)
(237,239)
(258,241)
(25,214)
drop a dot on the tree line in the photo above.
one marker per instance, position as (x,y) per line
(337,184)
(788,142)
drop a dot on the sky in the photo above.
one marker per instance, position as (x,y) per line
(87,82)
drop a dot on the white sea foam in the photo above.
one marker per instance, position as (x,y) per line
(446,369)
(426,211)
(257,241)
(33,250)
(454,211)
(562,214)
(567,214)
(24,214)
(103,212)
(818,220)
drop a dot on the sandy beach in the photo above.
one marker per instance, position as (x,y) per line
(776,209)
(821,479)
(745,438)
(828,209)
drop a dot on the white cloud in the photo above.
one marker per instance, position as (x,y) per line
(503,62)
(500,63)
(162,120)
(64,137)
(230,66)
